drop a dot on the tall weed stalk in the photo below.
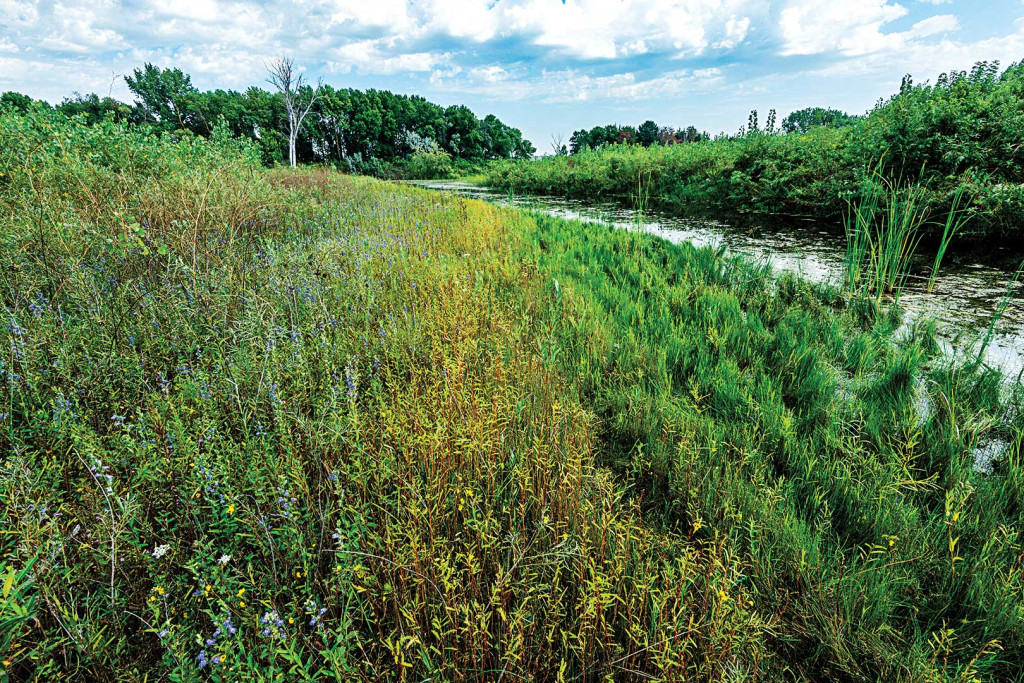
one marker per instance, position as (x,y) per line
(882,235)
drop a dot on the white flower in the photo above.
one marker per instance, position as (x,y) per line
(160,550)
(224,559)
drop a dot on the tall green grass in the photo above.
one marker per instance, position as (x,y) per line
(956,219)
(882,235)
(294,426)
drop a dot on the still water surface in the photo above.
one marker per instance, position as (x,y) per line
(962,302)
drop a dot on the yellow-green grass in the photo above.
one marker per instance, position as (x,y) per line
(289,425)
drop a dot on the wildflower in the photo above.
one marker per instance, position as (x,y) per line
(315,619)
(274,625)
(201,659)
(224,559)
(231,509)
(350,382)
(160,550)
(162,634)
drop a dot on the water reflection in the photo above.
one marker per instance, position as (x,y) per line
(962,302)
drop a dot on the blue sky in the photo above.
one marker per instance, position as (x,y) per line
(545,66)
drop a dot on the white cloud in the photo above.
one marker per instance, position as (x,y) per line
(574,85)
(377,57)
(942,23)
(735,32)
(579,51)
(393,14)
(927,60)
(851,27)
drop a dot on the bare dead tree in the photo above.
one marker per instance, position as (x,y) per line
(298,97)
(556,144)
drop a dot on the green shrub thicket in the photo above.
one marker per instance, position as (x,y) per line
(961,133)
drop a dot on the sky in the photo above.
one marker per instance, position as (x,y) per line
(547,67)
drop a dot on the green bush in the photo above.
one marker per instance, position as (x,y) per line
(964,130)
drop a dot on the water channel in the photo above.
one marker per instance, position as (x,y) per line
(963,301)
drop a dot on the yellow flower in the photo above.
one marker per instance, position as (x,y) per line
(231,509)
(241,592)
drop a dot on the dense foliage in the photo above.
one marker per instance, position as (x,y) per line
(372,131)
(646,134)
(963,131)
(803,120)
(270,425)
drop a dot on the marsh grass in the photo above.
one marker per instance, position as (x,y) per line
(882,235)
(288,425)
(956,219)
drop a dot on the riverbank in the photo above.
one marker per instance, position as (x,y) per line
(344,429)
(971,287)
(956,142)
(796,182)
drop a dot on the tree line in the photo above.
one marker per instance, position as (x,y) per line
(649,133)
(343,126)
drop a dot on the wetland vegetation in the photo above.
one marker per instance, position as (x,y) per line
(957,138)
(269,424)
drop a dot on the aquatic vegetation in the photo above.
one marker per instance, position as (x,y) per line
(956,219)
(281,425)
(882,234)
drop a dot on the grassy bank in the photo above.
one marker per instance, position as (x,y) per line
(961,133)
(292,425)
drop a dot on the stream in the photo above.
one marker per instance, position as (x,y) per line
(966,294)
